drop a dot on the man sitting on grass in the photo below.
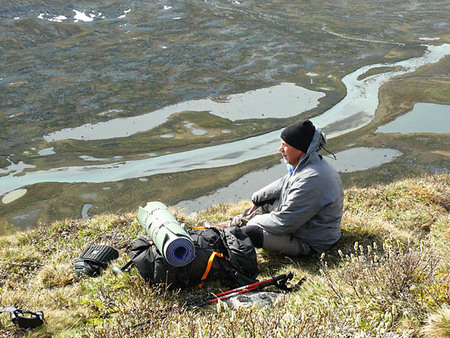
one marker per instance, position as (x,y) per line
(300,213)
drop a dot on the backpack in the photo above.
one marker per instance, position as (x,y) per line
(152,265)
(226,255)
(240,251)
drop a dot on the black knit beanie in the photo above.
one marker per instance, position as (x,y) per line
(299,134)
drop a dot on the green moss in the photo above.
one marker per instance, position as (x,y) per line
(3,162)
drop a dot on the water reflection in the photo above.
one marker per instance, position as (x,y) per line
(354,111)
(359,106)
(424,118)
(350,160)
(280,101)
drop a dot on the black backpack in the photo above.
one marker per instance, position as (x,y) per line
(153,267)
(226,255)
(240,251)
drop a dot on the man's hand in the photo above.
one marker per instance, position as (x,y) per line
(239,221)
(242,219)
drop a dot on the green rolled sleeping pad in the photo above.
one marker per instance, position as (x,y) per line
(171,240)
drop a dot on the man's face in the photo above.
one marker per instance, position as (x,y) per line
(290,154)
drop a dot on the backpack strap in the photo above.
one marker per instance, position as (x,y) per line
(213,255)
(136,252)
(127,266)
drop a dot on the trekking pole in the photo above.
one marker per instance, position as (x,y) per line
(278,281)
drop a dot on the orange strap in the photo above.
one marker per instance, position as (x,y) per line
(209,265)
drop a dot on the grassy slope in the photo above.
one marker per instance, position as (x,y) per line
(388,273)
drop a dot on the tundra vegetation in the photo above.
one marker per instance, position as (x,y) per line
(388,275)
(135,58)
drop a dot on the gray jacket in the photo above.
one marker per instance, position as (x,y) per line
(310,201)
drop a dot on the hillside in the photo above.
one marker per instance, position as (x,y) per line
(389,274)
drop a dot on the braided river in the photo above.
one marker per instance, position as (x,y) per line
(354,111)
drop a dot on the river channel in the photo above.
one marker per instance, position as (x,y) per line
(354,111)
